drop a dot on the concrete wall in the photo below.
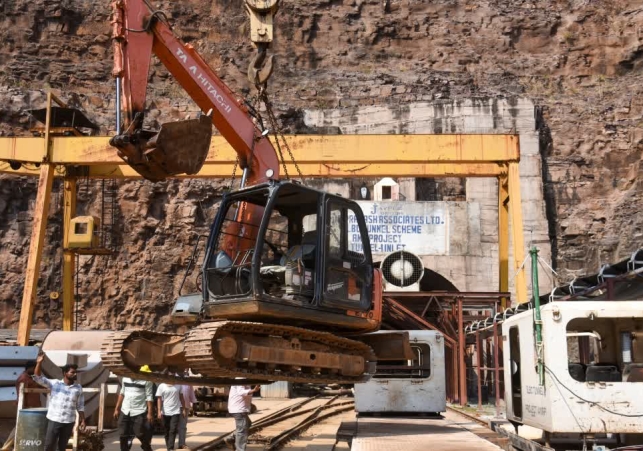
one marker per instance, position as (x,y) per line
(472,263)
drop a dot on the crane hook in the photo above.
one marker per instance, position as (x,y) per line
(260,68)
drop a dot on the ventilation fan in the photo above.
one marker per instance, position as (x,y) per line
(402,271)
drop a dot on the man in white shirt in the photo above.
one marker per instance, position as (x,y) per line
(239,406)
(65,399)
(134,412)
(170,407)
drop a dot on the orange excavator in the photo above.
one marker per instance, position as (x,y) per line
(288,288)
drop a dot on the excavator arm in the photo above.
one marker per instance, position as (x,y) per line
(179,147)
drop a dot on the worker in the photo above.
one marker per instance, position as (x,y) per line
(65,401)
(189,399)
(170,409)
(134,411)
(239,406)
(30,400)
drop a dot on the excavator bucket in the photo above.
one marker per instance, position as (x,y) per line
(178,148)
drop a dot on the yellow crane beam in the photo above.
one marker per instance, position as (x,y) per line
(317,155)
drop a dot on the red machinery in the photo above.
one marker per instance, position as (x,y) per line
(288,273)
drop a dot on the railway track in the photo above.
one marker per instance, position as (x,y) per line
(504,438)
(276,429)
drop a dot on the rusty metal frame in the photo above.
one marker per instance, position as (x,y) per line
(454,304)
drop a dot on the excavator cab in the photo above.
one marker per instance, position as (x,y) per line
(307,260)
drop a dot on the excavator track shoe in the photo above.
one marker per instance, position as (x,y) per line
(223,352)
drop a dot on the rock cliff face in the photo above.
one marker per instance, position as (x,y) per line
(578,60)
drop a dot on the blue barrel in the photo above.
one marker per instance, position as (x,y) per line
(31,430)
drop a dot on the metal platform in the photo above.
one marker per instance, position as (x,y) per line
(444,433)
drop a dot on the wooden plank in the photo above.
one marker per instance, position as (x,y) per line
(101,407)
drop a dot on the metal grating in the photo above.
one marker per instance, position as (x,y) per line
(402,269)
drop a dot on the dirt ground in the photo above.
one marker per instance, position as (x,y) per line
(320,437)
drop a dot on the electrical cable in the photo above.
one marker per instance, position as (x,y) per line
(591,403)
(564,398)
(628,448)
(520,268)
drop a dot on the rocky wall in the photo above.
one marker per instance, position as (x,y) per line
(578,61)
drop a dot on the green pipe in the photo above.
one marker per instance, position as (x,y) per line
(538,324)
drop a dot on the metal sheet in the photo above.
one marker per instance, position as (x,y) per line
(417,395)
(17,355)
(422,227)
(86,340)
(9,374)
(277,390)
(8,394)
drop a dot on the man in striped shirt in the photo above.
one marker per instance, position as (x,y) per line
(134,412)
(65,399)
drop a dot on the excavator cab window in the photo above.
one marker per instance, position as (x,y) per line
(260,241)
(348,271)
(282,242)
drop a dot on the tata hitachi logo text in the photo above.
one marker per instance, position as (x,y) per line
(212,90)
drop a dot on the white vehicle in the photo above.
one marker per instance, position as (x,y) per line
(411,386)
(593,370)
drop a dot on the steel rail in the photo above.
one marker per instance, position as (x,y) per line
(261,423)
(309,421)
(518,442)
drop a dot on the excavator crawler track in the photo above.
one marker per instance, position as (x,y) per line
(251,353)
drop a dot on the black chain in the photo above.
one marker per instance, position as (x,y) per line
(234,174)
(279,135)
(262,95)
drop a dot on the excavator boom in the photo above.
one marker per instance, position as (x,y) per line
(140,31)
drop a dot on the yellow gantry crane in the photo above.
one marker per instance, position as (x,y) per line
(338,156)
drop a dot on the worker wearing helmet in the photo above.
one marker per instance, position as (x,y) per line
(134,412)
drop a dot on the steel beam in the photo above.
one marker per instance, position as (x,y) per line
(515,209)
(503,236)
(496,364)
(308,170)
(461,352)
(17,355)
(480,368)
(327,149)
(478,297)
(393,303)
(69,261)
(40,213)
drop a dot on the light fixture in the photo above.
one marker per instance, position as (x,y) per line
(364,192)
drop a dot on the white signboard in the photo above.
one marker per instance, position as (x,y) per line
(418,227)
